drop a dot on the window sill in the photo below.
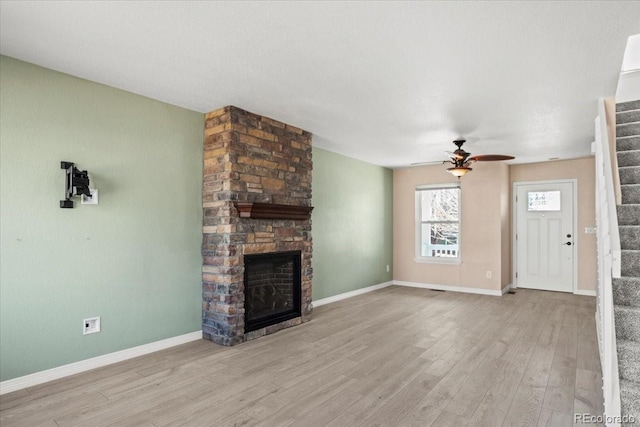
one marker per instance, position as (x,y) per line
(434,260)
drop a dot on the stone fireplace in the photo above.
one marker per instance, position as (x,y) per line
(257,202)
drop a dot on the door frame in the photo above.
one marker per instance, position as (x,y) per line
(514,227)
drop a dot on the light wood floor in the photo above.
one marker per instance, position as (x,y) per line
(398,356)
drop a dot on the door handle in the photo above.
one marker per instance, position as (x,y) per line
(568,243)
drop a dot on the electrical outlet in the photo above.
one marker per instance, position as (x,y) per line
(387,268)
(589,230)
(489,274)
(91,326)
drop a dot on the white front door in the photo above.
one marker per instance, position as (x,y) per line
(545,236)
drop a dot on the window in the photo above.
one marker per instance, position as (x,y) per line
(543,201)
(438,224)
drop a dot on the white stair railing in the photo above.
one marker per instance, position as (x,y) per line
(609,262)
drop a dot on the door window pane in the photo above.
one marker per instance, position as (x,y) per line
(543,201)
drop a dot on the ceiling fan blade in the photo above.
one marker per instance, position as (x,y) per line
(437,162)
(490,157)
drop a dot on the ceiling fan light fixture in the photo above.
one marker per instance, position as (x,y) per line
(459,171)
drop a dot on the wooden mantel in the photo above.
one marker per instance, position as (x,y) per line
(272,211)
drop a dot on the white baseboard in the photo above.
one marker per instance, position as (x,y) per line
(328,300)
(453,288)
(95,362)
(507,288)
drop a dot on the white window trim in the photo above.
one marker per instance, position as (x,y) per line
(418,222)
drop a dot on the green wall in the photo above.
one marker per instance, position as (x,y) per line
(352,224)
(134,259)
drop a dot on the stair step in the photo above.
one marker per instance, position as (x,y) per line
(627,321)
(629,174)
(626,291)
(626,106)
(628,158)
(630,401)
(629,360)
(630,263)
(628,129)
(628,143)
(629,237)
(629,214)
(630,194)
(628,116)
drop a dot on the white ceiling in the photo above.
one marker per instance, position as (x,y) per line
(390,83)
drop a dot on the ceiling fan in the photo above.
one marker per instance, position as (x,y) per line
(461,159)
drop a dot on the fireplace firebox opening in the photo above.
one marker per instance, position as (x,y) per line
(272,288)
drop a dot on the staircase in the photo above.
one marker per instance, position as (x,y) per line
(626,289)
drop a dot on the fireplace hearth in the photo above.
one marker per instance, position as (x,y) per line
(271,288)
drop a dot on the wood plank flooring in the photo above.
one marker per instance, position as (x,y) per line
(395,357)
